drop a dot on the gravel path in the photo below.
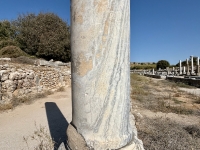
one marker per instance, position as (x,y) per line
(52,112)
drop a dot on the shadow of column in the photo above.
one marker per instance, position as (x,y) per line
(57,124)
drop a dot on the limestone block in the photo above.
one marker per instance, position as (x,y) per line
(20,84)
(75,140)
(4,75)
(19,70)
(16,93)
(13,69)
(30,75)
(4,67)
(22,75)
(26,83)
(14,76)
(9,85)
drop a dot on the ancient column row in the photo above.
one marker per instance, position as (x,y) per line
(188,67)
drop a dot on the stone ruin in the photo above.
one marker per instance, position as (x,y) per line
(186,74)
(183,71)
(17,80)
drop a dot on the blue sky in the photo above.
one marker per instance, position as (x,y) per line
(160,29)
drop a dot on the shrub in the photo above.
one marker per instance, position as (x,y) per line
(5,43)
(11,52)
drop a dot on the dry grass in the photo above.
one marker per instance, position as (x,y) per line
(164,134)
(61,89)
(160,96)
(164,96)
(15,101)
(42,137)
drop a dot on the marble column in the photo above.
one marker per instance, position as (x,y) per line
(188,67)
(100,47)
(192,66)
(184,70)
(197,66)
(168,71)
(180,68)
(153,72)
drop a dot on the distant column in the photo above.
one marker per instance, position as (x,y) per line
(180,68)
(188,67)
(100,46)
(173,70)
(192,66)
(197,65)
(184,70)
(153,72)
(168,71)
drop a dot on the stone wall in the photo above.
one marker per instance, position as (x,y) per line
(153,76)
(188,81)
(20,80)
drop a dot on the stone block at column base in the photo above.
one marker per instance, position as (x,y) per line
(76,141)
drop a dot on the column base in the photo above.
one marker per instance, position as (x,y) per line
(76,142)
(134,145)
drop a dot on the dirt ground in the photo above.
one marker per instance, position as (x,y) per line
(53,113)
(167,114)
(167,117)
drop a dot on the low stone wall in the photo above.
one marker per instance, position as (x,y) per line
(192,82)
(153,76)
(20,80)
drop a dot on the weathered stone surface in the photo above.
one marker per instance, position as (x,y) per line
(27,80)
(30,75)
(9,85)
(75,140)
(4,75)
(14,76)
(100,43)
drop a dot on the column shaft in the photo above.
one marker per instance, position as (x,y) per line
(100,46)
(192,66)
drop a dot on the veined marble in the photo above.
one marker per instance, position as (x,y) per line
(100,46)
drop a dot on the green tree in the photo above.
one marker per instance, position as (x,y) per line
(44,35)
(162,64)
(6,30)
